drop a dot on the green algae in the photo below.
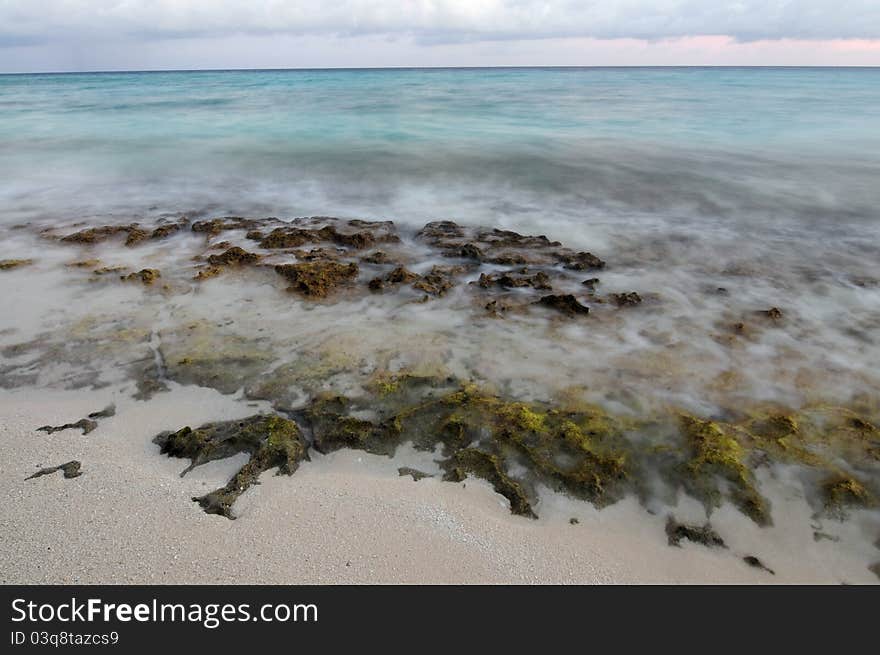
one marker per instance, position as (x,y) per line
(716,453)
(271,441)
(841,491)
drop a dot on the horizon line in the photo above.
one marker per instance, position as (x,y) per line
(417,68)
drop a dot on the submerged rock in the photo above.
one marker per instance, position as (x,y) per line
(271,442)
(234,256)
(581,261)
(566,304)
(146,275)
(70,469)
(716,454)
(9,264)
(841,491)
(317,279)
(516,280)
(629,299)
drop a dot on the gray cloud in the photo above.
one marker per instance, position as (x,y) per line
(437,21)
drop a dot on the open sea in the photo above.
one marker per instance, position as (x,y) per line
(576,147)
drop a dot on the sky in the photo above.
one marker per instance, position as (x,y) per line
(79,35)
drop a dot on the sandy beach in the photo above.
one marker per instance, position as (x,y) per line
(344,518)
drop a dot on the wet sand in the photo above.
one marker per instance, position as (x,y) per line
(347,517)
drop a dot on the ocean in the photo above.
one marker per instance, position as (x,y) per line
(575,146)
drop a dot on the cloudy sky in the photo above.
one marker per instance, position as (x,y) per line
(64,35)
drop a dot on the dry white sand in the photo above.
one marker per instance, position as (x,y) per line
(345,518)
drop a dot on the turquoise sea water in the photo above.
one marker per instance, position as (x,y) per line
(512,146)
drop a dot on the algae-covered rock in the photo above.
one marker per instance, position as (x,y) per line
(715,455)
(234,256)
(703,534)
(841,491)
(628,299)
(133,233)
(415,474)
(565,304)
(581,261)
(516,280)
(489,467)
(84,424)
(9,264)
(271,441)
(317,279)
(438,280)
(70,470)
(146,275)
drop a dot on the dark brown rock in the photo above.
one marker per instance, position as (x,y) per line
(566,304)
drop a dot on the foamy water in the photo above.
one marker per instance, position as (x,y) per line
(758,182)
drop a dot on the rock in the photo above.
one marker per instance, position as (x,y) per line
(234,256)
(581,261)
(754,562)
(107,412)
(438,280)
(629,299)
(271,441)
(70,469)
(774,313)
(317,279)
(85,263)
(516,280)
(377,257)
(704,535)
(488,467)
(468,251)
(591,283)
(85,424)
(414,473)
(9,264)
(841,491)
(215,226)
(566,304)
(146,275)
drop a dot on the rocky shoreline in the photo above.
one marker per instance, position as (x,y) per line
(568,444)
